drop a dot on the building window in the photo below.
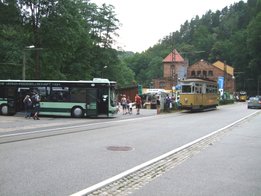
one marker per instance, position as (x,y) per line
(193,73)
(210,73)
(204,73)
(162,84)
(198,73)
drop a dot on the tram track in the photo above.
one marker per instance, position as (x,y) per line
(127,182)
(43,132)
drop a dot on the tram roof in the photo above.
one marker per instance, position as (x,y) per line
(198,80)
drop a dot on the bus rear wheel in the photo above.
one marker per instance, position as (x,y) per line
(77,112)
(4,110)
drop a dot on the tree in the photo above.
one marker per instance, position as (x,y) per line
(73,34)
(254,45)
(11,36)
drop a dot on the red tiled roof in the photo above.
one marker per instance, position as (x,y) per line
(174,56)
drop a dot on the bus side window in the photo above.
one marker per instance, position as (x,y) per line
(59,94)
(11,91)
(56,96)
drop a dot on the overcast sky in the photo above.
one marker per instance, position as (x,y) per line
(144,22)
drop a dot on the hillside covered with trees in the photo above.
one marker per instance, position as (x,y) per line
(231,35)
(73,41)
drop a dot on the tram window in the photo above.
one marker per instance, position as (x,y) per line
(186,89)
(203,89)
(198,88)
(209,89)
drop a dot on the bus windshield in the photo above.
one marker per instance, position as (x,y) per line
(113,97)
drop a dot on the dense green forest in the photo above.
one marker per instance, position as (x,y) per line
(73,40)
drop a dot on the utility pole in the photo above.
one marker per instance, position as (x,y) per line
(172,75)
(225,75)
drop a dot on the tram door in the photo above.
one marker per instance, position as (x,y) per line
(91,101)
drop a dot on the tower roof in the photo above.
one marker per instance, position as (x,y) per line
(174,56)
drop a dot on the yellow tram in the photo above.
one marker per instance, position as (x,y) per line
(242,96)
(198,94)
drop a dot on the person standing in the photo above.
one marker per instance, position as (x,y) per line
(130,107)
(128,104)
(36,105)
(27,106)
(124,104)
(158,105)
(138,103)
(168,102)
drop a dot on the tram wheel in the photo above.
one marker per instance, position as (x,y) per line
(77,112)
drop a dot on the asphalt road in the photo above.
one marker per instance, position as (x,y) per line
(232,166)
(62,155)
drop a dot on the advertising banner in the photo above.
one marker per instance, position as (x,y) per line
(221,82)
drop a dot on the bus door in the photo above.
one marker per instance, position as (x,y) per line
(91,102)
(21,93)
(102,101)
(11,96)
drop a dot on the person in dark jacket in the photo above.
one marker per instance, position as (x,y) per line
(28,106)
(36,105)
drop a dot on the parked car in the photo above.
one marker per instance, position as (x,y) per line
(254,102)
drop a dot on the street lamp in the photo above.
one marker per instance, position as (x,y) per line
(234,84)
(32,47)
(24,59)
(103,69)
(258,78)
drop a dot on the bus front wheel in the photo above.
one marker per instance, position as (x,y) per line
(4,109)
(77,112)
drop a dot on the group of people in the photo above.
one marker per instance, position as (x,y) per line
(32,106)
(127,105)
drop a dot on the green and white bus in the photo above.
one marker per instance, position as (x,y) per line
(95,98)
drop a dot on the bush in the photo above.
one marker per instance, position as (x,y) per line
(226,101)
